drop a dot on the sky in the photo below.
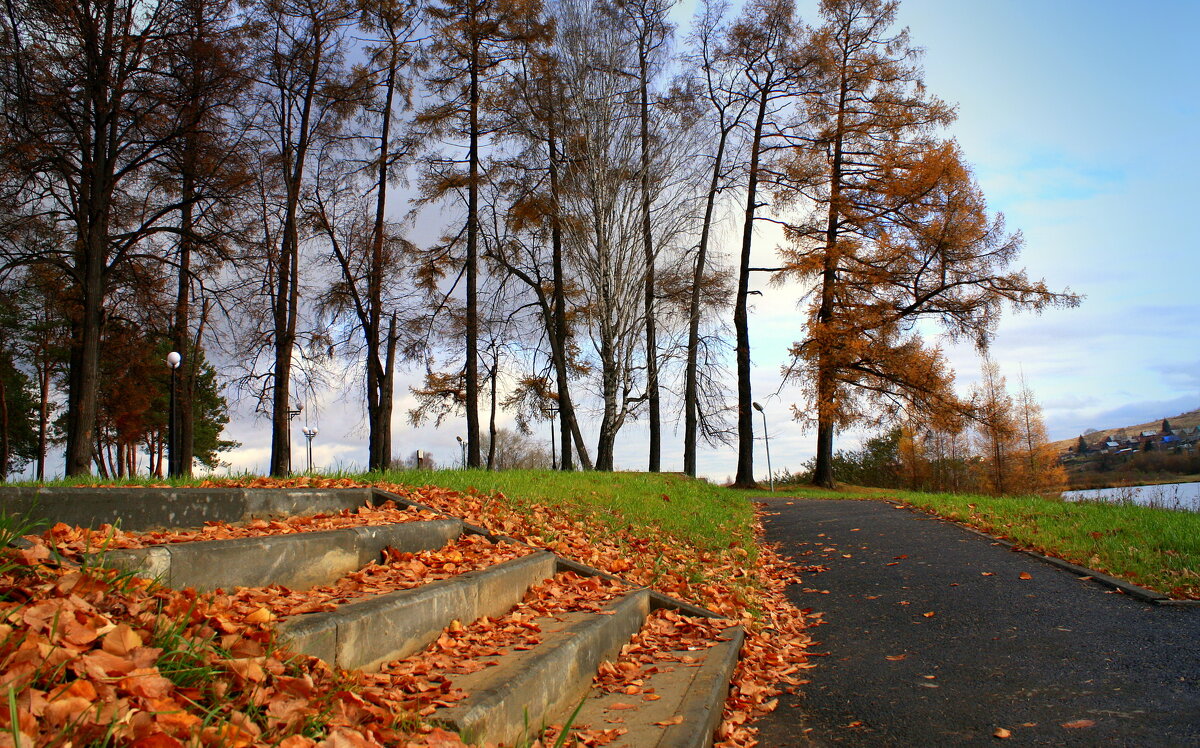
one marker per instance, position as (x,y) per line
(1080,118)
(1081,121)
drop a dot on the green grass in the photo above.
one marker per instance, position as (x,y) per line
(1156,548)
(137,480)
(693,511)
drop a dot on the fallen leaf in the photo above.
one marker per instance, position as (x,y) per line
(930,614)
(677,719)
(1026,575)
(896,658)
(1002,733)
(1077,724)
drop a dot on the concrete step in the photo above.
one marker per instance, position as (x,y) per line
(693,692)
(528,689)
(136,509)
(298,560)
(367,633)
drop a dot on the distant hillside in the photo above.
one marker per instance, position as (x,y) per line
(1181,421)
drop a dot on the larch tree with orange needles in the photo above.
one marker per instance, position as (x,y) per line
(900,235)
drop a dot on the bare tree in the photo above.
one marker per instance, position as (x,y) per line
(727,106)
(766,43)
(647,23)
(472,39)
(304,98)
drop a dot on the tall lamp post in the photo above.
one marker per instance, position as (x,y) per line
(292,413)
(309,433)
(767,439)
(173,471)
(462,446)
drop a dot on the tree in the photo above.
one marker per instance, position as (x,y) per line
(1166,427)
(391,53)
(600,199)
(1040,472)
(900,233)
(471,39)
(766,44)
(206,169)
(727,106)
(532,114)
(647,23)
(997,426)
(304,98)
(87,116)
(1082,446)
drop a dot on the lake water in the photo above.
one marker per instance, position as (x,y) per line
(1180,496)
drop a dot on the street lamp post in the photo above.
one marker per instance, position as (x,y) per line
(173,471)
(462,446)
(767,439)
(292,413)
(309,433)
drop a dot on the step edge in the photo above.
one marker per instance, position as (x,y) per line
(704,703)
(161,556)
(466,587)
(471,719)
(657,599)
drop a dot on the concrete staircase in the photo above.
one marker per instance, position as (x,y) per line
(606,667)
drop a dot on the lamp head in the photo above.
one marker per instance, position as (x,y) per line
(174,359)
(757,407)
(459,439)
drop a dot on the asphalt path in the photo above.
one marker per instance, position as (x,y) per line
(937,636)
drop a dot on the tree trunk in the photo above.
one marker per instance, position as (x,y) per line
(558,332)
(281,446)
(287,279)
(472,367)
(387,385)
(379,375)
(826,385)
(43,413)
(608,422)
(741,322)
(691,388)
(652,390)
(491,457)
(85,352)
(4,442)
(181,338)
